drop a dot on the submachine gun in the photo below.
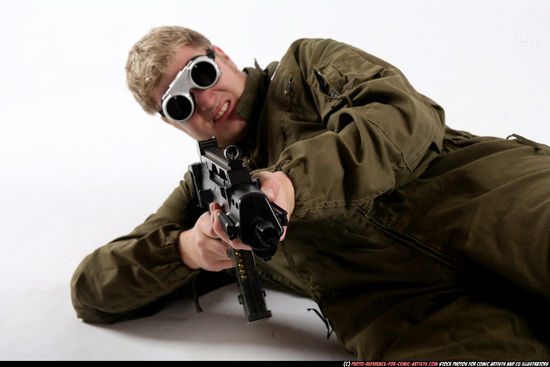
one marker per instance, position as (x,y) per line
(247,214)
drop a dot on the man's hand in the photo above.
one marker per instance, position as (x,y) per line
(205,245)
(279,189)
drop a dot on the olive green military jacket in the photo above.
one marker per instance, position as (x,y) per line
(343,125)
(395,219)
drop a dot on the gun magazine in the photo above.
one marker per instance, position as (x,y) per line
(252,295)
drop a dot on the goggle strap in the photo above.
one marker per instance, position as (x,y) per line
(210,54)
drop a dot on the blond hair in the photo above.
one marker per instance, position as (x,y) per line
(151,56)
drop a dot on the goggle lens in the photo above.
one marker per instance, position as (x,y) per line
(204,74)
(179,108)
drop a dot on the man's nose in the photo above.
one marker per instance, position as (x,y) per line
(204,98)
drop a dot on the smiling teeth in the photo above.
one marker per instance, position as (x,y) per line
(222,111)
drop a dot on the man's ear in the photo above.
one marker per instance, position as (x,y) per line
(219,52)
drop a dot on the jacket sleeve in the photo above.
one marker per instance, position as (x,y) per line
(352,126)
(135,275)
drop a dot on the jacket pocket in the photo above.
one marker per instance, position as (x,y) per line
(446,260)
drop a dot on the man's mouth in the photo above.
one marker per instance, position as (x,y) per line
(220,114)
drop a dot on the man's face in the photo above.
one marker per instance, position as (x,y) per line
(216,107)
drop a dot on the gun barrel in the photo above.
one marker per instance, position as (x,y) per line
(267,233)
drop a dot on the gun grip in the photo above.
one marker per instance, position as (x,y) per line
(228,226)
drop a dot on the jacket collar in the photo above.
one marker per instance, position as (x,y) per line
(252,101)
(254,93)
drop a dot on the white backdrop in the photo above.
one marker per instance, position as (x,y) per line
(81,164)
